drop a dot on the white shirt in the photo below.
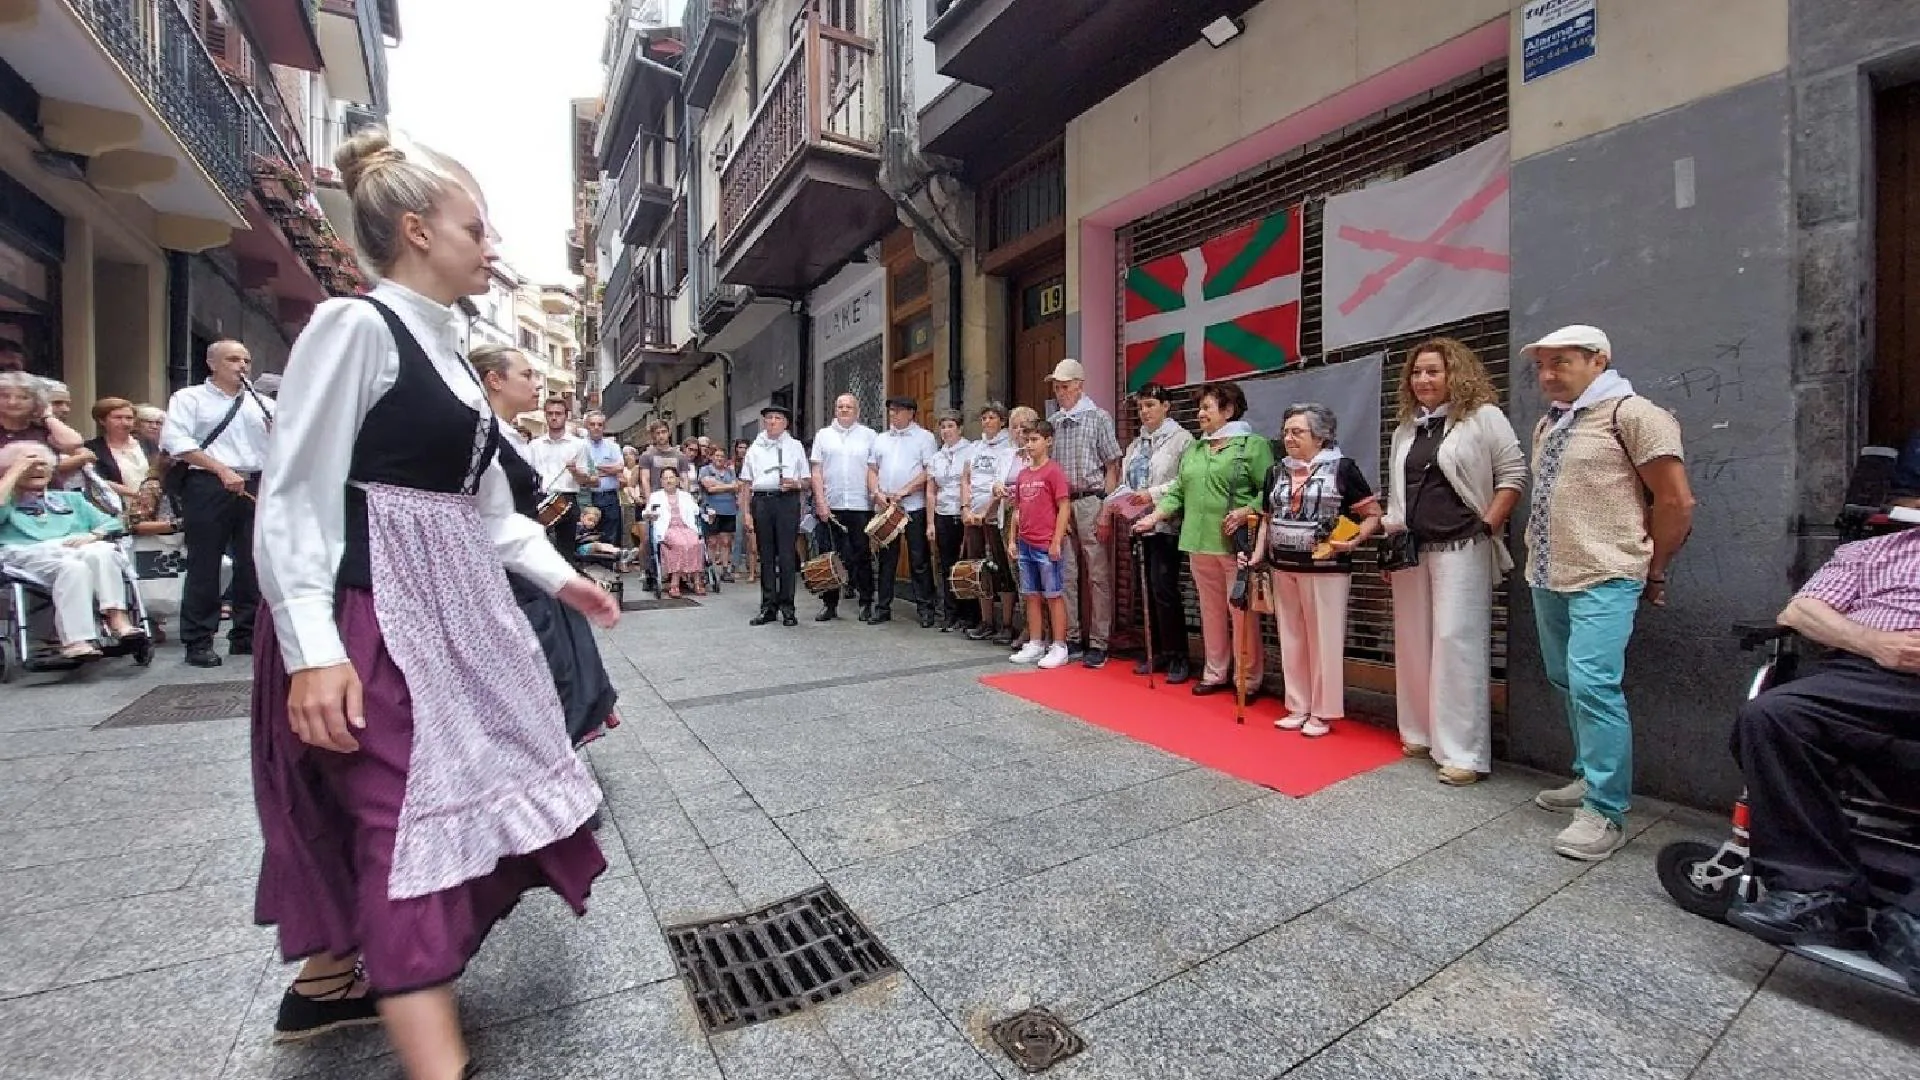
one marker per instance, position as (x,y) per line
(986,463)
(902,455)
(550,457)
(768,462)
(841,455)
(944,470)
(343,363)
(194,412)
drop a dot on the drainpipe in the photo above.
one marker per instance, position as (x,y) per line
(897,154)
(802,369)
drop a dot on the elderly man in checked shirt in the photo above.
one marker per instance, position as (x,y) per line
(1859,708)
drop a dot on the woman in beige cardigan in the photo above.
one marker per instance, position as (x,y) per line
(1455,474)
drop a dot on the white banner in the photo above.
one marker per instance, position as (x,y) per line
(1421,251)
(1351,390)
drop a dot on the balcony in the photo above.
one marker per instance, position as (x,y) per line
(129,86)
(286,32)
(714,304)
(645,189)
(353,45)
(1028,66)
(714,33)
(799,196)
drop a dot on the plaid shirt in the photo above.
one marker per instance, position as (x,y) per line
(1083,443)
(1875,583)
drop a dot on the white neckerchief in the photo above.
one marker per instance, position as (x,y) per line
(1232,429)
(1428,416)
(1083,405)
(1610,385)
(997,441)
(1326,455)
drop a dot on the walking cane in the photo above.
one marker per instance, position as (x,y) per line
(1146,606)
(1243,542)
(942,608)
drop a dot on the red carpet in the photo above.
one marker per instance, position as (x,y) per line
(1201,729)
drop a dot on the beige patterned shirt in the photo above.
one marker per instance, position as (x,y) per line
(1588,523)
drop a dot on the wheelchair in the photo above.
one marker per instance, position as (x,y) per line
(656,581)
(30,642)
(1884,821)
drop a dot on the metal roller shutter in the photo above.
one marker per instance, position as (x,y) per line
(1409,137)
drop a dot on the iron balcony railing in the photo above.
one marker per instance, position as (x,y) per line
(156,47)
(819,98)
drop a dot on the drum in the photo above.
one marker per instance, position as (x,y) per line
(968,579)
(887,525)
(824,573)
(553,508)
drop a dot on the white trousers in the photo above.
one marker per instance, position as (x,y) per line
(1442,654)
(85,580)
(1311,610)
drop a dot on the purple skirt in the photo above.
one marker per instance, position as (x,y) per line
(329,821)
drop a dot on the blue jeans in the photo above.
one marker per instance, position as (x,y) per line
(1583,645)
(1040,573)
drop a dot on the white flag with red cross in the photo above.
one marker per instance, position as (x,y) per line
(1422,251)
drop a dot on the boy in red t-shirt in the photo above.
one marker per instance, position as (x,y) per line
(1041,510)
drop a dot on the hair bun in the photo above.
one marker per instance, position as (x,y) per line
(365,152)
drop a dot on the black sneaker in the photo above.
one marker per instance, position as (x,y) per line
(1075,651)
(827,614)
(762,619)
(926,620)
(203,656)
(982,632)
(881,616)
(1095,658)
(1896,943)
(866,612)
(787,618)
(1178,671)
(1787,918)
(302,1017)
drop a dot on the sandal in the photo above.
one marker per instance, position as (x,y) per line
(304,1016)
(80,650)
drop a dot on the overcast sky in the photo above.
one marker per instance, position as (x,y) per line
(489,82)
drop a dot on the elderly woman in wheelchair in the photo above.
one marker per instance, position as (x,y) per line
(60,540)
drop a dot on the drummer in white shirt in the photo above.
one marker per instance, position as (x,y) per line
(841,453)
(560,457)
(897,475)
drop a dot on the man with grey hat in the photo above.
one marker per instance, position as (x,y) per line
(1086,446)
(897,474)
(1611,509)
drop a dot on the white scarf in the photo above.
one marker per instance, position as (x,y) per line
(1325,456)
(1610,385)
(1232,429)
(1428,416)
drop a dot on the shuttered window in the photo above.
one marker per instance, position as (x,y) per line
(1413,135)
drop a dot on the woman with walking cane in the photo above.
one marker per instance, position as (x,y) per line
(1150,467)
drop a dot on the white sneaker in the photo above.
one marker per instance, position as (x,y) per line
(1291,722)
(1590,838)
(1028,653)
(1056,656)
(1315,727)
(1563,799)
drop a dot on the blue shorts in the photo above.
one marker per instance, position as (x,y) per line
(1039,572)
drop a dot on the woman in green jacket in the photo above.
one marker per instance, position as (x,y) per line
(1215,495)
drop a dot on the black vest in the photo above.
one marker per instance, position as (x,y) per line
(419,435)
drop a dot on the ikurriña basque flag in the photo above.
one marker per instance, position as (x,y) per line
(1227,308)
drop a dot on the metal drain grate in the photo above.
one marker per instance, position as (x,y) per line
(663,604)
(186,703)
(776,961)
(1036,1039)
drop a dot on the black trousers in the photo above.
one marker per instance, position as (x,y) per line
(217,522)
(918,565)
(849,539)
(1161,553)
(950,540)
(1794,743)
(608,503)
(776,526)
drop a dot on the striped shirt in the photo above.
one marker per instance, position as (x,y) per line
(1875,583)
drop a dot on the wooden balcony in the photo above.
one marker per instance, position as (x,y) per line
(799,195)
(645,188)
(714,34)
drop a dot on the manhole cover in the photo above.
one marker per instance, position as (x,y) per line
(1036,1039)
(185,704)
(662,604)
(776,961)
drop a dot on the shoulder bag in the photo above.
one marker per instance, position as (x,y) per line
(1401,551)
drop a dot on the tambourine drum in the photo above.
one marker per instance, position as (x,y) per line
(824,573)
(968,579)
(553,508)
(886,526)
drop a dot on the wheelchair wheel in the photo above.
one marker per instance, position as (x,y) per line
(143,651)
(7,665)
(1676,864)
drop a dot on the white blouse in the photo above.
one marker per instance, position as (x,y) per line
(344,361)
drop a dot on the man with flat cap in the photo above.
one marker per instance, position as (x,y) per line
(897,475)
(775,472)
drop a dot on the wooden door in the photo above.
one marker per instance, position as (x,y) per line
(1893,411)
(1039,321)
(914,379)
